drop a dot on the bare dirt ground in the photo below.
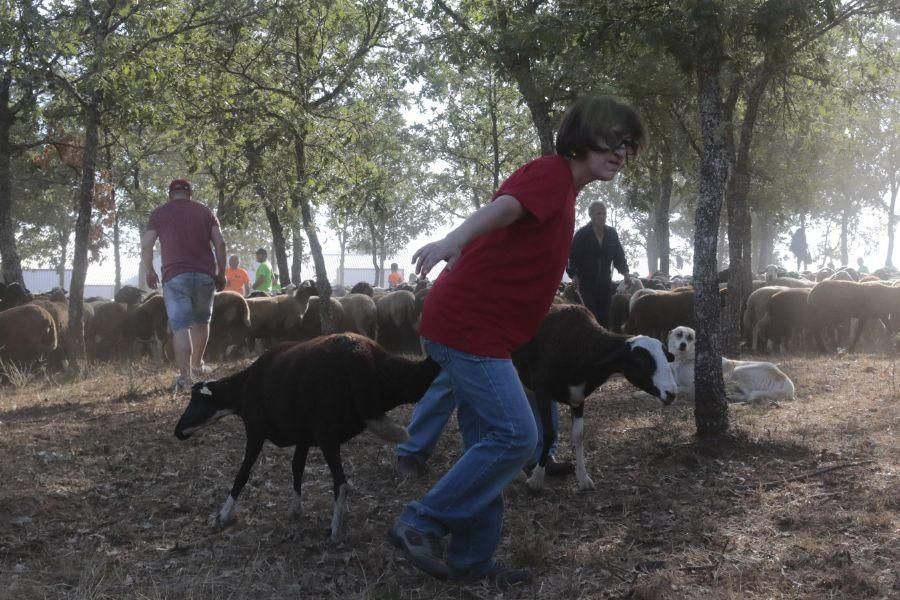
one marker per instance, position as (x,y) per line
(99,500)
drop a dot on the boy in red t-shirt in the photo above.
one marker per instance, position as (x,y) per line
(504,264)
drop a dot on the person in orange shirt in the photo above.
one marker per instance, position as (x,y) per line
(236,278)
(396,277)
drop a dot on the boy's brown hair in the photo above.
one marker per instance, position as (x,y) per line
(599,117)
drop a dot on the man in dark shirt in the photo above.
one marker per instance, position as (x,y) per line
(595,248)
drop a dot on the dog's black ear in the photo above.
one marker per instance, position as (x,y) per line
(669,356)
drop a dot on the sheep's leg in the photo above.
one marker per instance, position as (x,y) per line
(536,481)
(860,323)
(584,480)
(227,516)
(332,454)
(298,465)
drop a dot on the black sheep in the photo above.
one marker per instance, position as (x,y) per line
(317,393)
(571,356)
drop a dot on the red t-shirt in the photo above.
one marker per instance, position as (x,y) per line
(497,293)
(184,228)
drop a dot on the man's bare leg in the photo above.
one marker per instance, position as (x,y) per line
(181,344)
(199,335)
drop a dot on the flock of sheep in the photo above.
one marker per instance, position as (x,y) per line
(34,328)
(786,311)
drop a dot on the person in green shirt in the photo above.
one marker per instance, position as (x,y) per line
(265,280)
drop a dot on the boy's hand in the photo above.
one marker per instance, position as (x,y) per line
(431,254)
(152,279)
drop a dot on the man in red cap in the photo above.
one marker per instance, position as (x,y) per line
(190,273)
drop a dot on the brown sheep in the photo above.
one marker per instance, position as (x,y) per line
(27,334)
(755,311)
(397,322)
(106,332)
(618,312)
(361,311)
(148,325)
(832,303)
(274,318)
(14,295)
(311,325)
(656,314)
(786,317)
(230,324)
(362,288)
(54,302)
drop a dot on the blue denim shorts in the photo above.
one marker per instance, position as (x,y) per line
(189,299)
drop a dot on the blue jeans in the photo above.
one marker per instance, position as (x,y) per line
(499,437)
(189,299)
(432,412)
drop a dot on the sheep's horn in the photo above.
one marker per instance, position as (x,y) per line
(388,430)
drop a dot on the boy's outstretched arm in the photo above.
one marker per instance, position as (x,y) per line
(503,211)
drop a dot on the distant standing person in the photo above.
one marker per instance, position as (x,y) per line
(265,280)
(396,277)
(236,278)
(861,266)
(190,273)
(595,248)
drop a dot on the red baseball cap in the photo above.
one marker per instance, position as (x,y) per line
(180,184)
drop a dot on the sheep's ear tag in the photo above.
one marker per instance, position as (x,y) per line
(205,390)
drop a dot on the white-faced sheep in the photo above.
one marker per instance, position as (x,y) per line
(570,356)
(27,334)
(318,393)
(832,303)
(745,381)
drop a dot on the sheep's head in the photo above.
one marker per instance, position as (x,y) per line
(204,409)
(647,368)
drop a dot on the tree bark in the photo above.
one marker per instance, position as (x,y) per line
(297,254)
(711,409)
(892,219)
(661,217)
(278,243)
(309,225)
(10,262)
(83,226)
(845,234)
(765,244)
(740,273)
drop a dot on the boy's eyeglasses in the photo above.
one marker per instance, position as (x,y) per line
(629,146)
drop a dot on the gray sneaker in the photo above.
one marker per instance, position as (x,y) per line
(424,550)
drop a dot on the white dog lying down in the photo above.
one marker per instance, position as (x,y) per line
(745,381)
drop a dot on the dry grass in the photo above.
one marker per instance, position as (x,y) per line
(99,500)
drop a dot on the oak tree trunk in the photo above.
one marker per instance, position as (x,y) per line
(711,409)
(10,262)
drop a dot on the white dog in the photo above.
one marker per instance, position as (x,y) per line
(745,381)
